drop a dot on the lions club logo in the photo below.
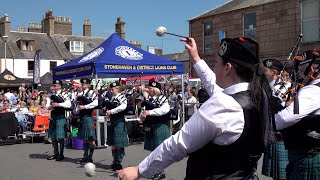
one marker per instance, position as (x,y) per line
(9,77)
(223,48)
(128,53)
(92,55)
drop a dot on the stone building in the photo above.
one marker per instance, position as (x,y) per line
(53,35)
(274,24)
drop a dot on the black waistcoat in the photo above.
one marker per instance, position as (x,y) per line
(236,160)
(57,111)
(152,120)
(300,134)
(119,115)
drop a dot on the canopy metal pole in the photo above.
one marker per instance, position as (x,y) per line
(98,121)
(183,115)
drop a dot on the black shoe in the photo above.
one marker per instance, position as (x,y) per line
(90,160)
(83,161)
(117,167)
(52,157)
(60,158)
(159,176)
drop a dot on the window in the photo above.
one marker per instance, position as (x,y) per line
(52,65)
(249,25)
(310,20)
(222,35)
(30,68)
(76,46)
(208,37)
(26,45)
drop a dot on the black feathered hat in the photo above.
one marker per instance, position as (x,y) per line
(241,51)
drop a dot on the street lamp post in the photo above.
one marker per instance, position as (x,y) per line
(5,38)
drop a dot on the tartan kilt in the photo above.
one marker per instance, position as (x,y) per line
(275,161)
(59,131)
(159,132)
(117,134)
(86,129)
(306,169)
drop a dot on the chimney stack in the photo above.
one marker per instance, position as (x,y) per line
(21,29)
(62,25)
(87,28)
(4,25)
(136,43)
(48,23)
(120,28)
(35,27)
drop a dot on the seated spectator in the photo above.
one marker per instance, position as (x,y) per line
(33,107)
(20,114)
(2,110)
(43,110)
(1,98)
(6,105)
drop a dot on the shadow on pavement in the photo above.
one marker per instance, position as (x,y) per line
(46,155)
(99,166)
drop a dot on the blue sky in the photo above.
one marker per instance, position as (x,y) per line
(142,17)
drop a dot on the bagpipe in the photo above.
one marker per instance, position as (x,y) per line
(83,100)
(109,105)
(56,99)
(171,115)
(299,79)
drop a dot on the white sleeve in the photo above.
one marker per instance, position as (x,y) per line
(92,105)
(122,107)
(221,122)
(207,76)
(308,103)
(162,110)
(48,102)
(66,104)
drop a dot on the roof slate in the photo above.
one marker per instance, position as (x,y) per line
(89,43)
(42,41)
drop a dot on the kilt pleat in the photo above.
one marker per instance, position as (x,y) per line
(117,134)
(275,161)
(307,166)
(159,132)
(59,131)
(86,130)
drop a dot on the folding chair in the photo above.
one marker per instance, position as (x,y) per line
(41,123)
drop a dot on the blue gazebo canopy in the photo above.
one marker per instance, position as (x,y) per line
(115,58)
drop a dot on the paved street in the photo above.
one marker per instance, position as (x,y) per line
(28,162)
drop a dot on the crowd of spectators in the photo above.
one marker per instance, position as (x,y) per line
(25,104)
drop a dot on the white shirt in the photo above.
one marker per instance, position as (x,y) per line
(94,102)
(308,103)
(123,104)
(162,110)
(220,120)
(65,104)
